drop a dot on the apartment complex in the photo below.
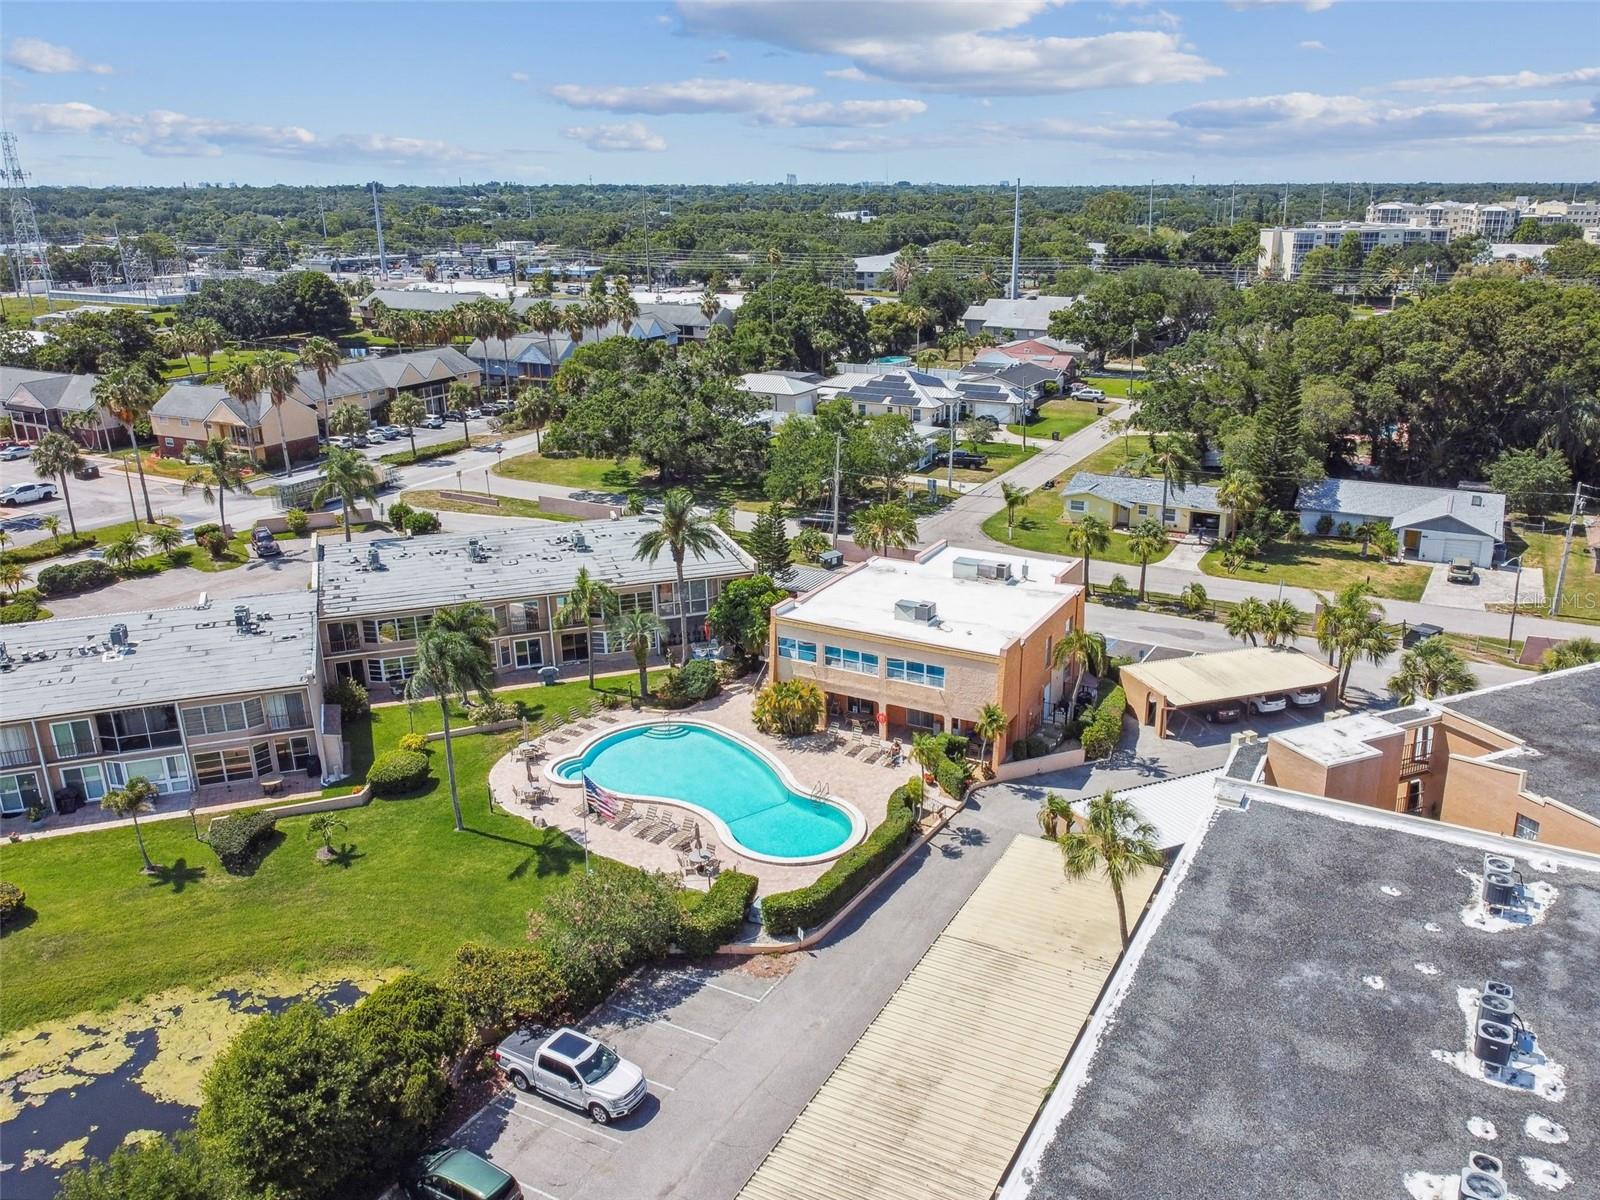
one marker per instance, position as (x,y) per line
(1492,221)
(196,700)
(41,402)
(1516,760)
(377,596)
(921,644)
(1283,248)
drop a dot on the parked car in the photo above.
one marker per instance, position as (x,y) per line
(1081,392)
(264,545)
(12,453)
(447,1173)
(1306,697)
(393,432)
(1222,714)
(26,493)
(86,471)
(474,414)
(492,408)
(451,414)
(967,459)
(1462,571)
(573,1068)
(377,434)
(433,421)
(1272,702)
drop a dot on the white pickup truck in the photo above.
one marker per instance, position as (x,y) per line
(575,1069)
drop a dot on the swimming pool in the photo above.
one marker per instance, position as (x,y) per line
(756,811)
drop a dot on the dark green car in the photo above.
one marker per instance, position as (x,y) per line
(449,1174)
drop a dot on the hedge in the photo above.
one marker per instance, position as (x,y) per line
(416,743)
(39,551)
(1104,729)
(63,579)
(12,900)
(718,916)
(423,454)
(351,697)
(234,839)
(421,521)
(808,907)
(398,773)
(21,608)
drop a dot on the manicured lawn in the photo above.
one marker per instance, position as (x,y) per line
(49,547)
(1117,453)
(508,506)
(1040,529)
(176,368)
(166,468)
(601,474)
(1120,386)
(1065,417)
(1325,565)
(1580,591)
(1002,457)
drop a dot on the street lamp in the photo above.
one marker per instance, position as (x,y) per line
(1516,591)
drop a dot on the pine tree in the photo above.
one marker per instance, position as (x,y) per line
(769,543)
(1277,454)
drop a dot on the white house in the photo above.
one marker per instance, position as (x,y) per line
(1013,319)
(1434,524)
(873,271)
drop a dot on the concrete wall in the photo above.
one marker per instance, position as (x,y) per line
(1029,767)
(315,520)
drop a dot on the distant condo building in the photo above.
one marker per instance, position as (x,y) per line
(1495,222)
(1284,249)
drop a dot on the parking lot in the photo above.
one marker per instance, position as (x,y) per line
(667,1020)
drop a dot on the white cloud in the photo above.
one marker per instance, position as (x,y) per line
(1582,77)
(1160,19)
(684,96)
(164,134)
(1312,45)
(1308,5)
(46,58)
(853,74)
(951,45)
(519,77)
(620,138)
(854,113)
(718,56)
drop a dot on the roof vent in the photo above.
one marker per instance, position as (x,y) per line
(981,568)
(475,551)
(1501,863)
(1487,1163)
(1481,1185)
(374,559)
(923,612)
(4,657)
(1496,1008)
(241,617)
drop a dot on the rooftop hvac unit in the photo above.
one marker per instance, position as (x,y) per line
(1501,863)
(579,542)
(1494,987)
(374,559)
(1492,1043)
(1499,890)
(119,634)
(1496,1008)
(1488,1164)
(241,616)
(920,611)
(831,559)
(1480,1185)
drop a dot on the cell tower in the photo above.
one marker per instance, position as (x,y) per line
(30,258)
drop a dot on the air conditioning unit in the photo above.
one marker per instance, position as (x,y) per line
(374,560)
(1492,1043)
(1499,863)
(1499,890)
(921,611)
(579,542)
(1486,1163)
(1480,1185)
(831,559)
(1494,987)
(1496,1008)
(119,635)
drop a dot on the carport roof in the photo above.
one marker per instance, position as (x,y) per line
(1231,675)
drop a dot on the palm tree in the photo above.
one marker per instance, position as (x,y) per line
(991,724)
(207,336)
(574,320)
(52,525)
(1247,620)
(12,576)
(121,552)
(322,357)
(1112,839)
(1174,458)
(640,632)
(408,411)
(710,304)
(56,455)
(1079,651)
(350,477)
(1431,669)
(1147,540)
(165,538)
(621,306)
(1575,652)
(348,420)
(1014,498)
(1386,540)
(588,599)
(450,661)
(218,469)
(1086,537)
(927,751)
(1241,493)
(1055,815)
(128,394)
(459,397)
(1350,627)
(241,381)
(904,268)
(472,620)
(275,375)
(1280,622)
(534,408)
(505,324)
(321,828)
(173,342)
(130,801)
(543,317)
(886,526)
(679,529)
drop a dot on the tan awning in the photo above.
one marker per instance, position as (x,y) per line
(1231,675)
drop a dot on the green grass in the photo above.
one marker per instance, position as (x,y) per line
(598,473)
(1580,591)
(49,548)
(1119,452)
(176,368)
(404,458)
(1120,386)
(1039,529)
(1065,417)
(1002,457)
(1325,565)
(508,506)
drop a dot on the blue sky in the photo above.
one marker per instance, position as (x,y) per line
(725,90)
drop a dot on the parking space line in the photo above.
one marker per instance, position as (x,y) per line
(705,1037)
(715,986)
(667,1087)
(586,1126)
(528,1187)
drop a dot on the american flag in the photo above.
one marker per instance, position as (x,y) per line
(598,799)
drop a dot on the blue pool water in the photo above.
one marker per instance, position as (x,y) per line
(702,767)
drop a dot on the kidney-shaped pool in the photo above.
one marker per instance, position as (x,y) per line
(734,784)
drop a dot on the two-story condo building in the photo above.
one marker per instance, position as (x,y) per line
(206,700)
(922,644)
(377,596)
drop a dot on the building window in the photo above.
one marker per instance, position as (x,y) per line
(392,670)
(574,647)
(18,793)
(628,602)
(1527,829)
(72,738)
(88,781)
(917,719)
(166,441)
(527,652)
(139,728)
(1422,744)
(914,672)
(168,774)
(294,754)
(286,710)
(1077,506)
(851,660)
(232,765)
(1413,796)
(789,647)
(1169,516)
(395,629)
(345,636)
(222,718)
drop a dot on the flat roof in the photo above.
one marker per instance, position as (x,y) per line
(1292,1021)
(174,655)
(932,1100)
(1231,674)
(978,615)
(517,563)
(1342,740)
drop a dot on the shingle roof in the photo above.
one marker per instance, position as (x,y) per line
(1406,506)
(1018,374)
(1133,489)
(197,401)
(1018,314)
(781,383)
(49,390)
(421,299)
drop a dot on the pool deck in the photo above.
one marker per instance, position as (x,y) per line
(819,759)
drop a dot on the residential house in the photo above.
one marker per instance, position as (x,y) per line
(927,399)
(1010,320)
(204,700)
(874,272)
(1123,501)
(412,300)
(376,596)
(41,402)
(1049,352)
(376,381)
(785,393)
(1028,378)
(191,414)
(686,320)
(1434,524)
(909,645)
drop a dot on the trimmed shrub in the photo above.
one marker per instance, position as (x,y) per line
(1104,729)
(422,521)
(504,987)
(1324,525)
(351,697)
(696,680)
(23,607)
(214,544)
(398,773)
(714,918)
(415,743)
(12,900)
(297,521)
(791,707)
(237,840)
(1346,529)
(399,513)
(808,907)
(50,548)
(202,532)
(490,711)
(64,579)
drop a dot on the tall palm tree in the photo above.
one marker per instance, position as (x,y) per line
(1247,620)
(206,336)
(505,324)
(1079,651)
(1173,457)
(349,477)
(588,599)
(451,662)
(471,619)
(1280,622)
(991,724)
(1014,498)
(1349,628)
(640,632)
(1146,541)
(1055,815)
(574,320)
(621,306)
(128,394)
(1431,669)
(321,356)
(137,797)
(534,408)
(883,527)
(408,411)
(1086,537)
(56,455)
(1111,839)
(218,470)
(680,530)
(459,397)
(242,381)
(275,375)
(544,318)
(710,304)
(1241,493)
(173,342)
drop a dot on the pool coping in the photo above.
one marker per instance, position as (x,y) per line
(858,820)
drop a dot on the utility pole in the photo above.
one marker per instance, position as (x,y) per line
(1150,222)
(1233,194)
(838,449)
(1322,204)
(377,217)
(1016,235)
(1566,547)
(323,217)
(950,457)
